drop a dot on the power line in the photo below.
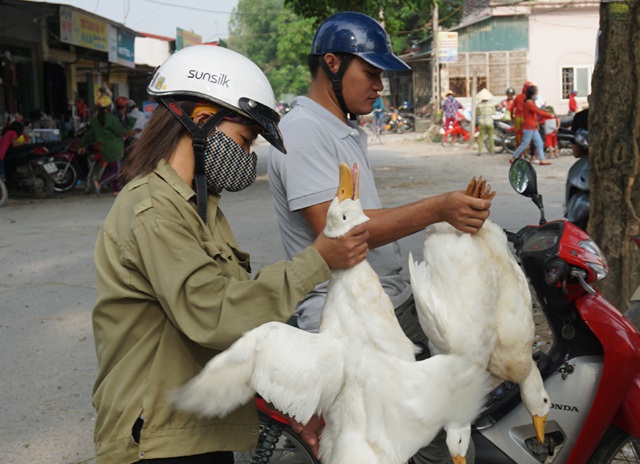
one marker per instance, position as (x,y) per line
(157,2)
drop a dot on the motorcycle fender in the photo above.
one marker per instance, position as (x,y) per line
(628,415)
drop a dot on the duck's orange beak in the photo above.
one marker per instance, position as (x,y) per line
(349,185)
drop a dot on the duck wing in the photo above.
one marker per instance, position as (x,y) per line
(298,372)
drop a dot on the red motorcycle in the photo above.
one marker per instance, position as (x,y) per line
(591,372)
(459,133)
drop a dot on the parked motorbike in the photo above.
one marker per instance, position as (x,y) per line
(396,123)
(29,168)
(591,371)
(500,129)
(72,166)
(577,185)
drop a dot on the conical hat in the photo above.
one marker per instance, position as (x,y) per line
(484,94)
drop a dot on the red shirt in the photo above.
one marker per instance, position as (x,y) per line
(518,105)
(6,141)
(573,105)
(531,113)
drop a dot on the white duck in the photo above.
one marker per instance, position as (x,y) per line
(473,299)
(358,372)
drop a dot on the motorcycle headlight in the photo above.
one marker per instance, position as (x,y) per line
(599,270)
(591,247)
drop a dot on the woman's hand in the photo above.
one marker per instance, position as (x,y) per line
(346,251)
(310,433)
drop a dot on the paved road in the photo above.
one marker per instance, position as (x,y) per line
(47,282)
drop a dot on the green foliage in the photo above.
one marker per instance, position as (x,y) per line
(276,39)
(277,34)
(406,21)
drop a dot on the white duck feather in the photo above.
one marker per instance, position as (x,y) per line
(358,372)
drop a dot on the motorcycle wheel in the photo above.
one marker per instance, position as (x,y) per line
(43,184)
(509,142)
(66,177)
(616,447)
(277,443)
(4,193)
(434,134)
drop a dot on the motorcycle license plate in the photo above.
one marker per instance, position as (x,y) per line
(50,168)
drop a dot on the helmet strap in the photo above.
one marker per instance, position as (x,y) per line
(336,82)
(199,134)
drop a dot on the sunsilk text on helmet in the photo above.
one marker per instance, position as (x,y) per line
(219,79)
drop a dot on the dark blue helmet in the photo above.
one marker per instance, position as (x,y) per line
(360,35)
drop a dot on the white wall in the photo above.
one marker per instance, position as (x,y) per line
(557,39)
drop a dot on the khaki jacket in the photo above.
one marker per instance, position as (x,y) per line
(172,293)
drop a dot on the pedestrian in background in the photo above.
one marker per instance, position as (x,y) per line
(550,127)
(11,137)
(573,104)
(378,112)
(484,112)
(518,112)
(530,127)
(450,107)
(107,131)
(140,118)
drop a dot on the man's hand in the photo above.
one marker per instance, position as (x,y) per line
(310,433)
(464,212)
(346,251)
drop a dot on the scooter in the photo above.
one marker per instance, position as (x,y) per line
(591,371)
(577,186)
(29,168)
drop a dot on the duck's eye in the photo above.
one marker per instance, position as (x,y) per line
(344,217)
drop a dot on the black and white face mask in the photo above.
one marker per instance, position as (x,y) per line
(227,166)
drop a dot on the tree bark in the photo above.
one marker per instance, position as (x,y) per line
(614,152)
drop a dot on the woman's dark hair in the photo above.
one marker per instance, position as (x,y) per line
(531,91)
(158,139)
(15,126)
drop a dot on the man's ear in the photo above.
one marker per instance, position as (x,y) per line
(333,61)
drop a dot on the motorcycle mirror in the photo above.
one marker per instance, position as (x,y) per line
(523,179)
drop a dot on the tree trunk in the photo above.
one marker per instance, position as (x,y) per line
(614,126)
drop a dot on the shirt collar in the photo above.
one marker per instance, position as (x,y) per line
(336,125)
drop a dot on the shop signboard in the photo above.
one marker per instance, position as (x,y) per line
(84,30)
(121,47)
(186,38)
(447,47)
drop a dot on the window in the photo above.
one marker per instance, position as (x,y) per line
(576,78)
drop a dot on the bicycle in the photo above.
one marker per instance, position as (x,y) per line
(375,133)
(435,132)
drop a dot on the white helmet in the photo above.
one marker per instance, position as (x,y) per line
(224,77)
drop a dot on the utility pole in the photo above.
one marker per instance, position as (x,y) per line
(435,66)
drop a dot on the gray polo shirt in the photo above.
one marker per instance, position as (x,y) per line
(316,143)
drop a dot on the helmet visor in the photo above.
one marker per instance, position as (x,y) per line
(267,118)
(384,61)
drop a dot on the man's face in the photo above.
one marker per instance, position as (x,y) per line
(360,86)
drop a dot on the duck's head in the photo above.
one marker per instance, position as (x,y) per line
(536,400)
(345,211)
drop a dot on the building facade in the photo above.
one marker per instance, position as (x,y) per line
(502,45)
